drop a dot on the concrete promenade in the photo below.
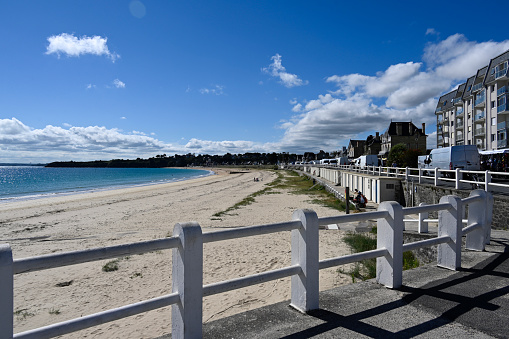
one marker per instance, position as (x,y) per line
(432,303)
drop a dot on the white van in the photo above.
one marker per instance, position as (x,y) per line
(465,157)
(343,161)
(366,160)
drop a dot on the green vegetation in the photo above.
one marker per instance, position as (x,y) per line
(366,269)
(296,184)
(403,156)
(110,266)
(54,311)
(136,274)
(23,313)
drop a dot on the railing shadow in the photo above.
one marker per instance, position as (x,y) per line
(466,297)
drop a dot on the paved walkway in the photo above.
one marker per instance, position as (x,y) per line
(432,303)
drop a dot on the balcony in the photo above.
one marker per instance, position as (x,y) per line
(459,111)
(477,87)
(459,123)
(501,74)
(457,101)
(480,116)
(502,143)
(502,90)
(440,141)
(502,109)
(501,125)
(480,145)
(480,100)
(480,132)
(439,109)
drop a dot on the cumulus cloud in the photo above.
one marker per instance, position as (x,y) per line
(276,69)
(361,104)
(18,140)
(73,46)
(53,143)
(216,89)
(118,84)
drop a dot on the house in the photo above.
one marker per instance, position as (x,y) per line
(403,133)
(356,148)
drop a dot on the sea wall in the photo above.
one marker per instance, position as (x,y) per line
(415,193)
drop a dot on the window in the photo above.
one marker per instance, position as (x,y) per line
(493,121)
(470,128)
(493,104)
(468,90)
(493,88)
(493,137)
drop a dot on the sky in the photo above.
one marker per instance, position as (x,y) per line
(100,80)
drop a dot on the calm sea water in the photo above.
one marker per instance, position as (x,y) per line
(32,182)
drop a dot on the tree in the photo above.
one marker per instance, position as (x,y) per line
(397,155)
(402,156)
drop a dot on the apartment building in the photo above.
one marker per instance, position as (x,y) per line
(476,113)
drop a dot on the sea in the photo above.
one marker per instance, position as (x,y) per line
(35,182)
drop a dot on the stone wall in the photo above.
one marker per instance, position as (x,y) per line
(415,193)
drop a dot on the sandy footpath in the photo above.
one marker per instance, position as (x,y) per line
(143,213)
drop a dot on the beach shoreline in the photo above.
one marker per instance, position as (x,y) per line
(90,220)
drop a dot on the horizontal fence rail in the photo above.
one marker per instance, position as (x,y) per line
(487,180)
(187,272)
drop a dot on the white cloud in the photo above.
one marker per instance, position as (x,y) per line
(276,69)
(431,31)
(73,46)
(118,84)
(123,118)
(361,104)
(216,89)
(90,86)
(297,108)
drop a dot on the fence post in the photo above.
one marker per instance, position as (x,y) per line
(389,268)
(458,177)
(487,180)
(423,225)
(489,217)
(449,223)
(436,176)
(6,292)
(305,285)
(420,175)
(477,214)
(187,280)
(407,173)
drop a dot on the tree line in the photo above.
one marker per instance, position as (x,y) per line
(189,159)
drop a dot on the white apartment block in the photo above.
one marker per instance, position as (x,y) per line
(477,112)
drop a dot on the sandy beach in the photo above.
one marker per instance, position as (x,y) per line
(108,218)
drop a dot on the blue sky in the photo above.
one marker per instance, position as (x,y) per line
(90,80)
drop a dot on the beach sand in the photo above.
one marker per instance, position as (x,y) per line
(90,220)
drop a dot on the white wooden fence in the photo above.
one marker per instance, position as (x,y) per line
(460,178)
(187,275)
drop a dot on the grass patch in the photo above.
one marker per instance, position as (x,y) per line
(136,275)
(23,313)
(54,311)
(110,266)
(366,269)
(295,184)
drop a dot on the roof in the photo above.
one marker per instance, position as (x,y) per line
(494,63)
(405,130)
(468,89)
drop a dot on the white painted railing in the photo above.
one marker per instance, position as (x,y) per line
(460,178)
(187,275)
